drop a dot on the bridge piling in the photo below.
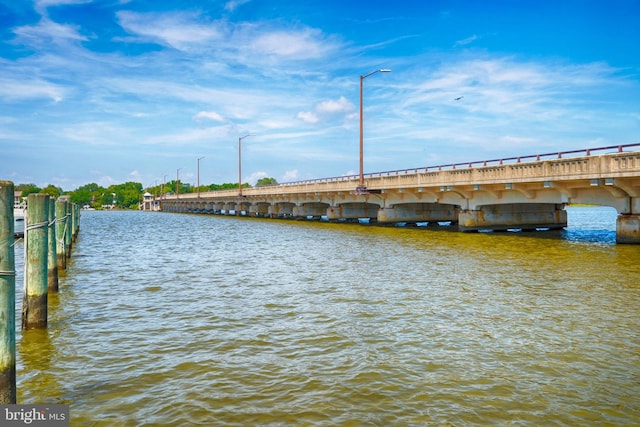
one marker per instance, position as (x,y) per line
(628,229)
(353,210)
(419,212)
(526,216)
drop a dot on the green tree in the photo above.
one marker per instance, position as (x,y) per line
(128,195)
(226,186)
(52,191)
(266,181)
(27,189)
(88,194)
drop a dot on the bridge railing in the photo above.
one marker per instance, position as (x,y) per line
(347,182)
(480,163)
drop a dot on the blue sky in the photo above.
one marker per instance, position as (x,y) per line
(115,90)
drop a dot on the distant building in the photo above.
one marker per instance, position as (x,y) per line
(17,198)
(149,203)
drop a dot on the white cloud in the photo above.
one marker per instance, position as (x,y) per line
(249,43)
(271,124)
(327,108)
(342,105)
(308,117)
(254,177)
(106,181)
(466,41)
(233,4)
(504,86)
(42,5)
(291,175)
(30,89)
(178,30)
(211,115)
(302,44)
(188,137)
(46,32)
(95,133)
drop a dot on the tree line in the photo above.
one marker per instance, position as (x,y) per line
(127,195)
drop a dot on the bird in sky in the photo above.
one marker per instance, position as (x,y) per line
(458,98)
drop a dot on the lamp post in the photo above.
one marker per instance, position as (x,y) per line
(240,163)
(361,189)
(178,183)
(199,175)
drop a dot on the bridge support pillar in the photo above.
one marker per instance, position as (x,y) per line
(525,216)
(419,212)
(228,207)
(628,229)
(259,209)
(316,210)
(353,211)
(334,212)
(243,207)
(281,210)
(273,211)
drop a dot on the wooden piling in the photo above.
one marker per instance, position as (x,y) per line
(34,305)
(61,220)
(74,221)
(7,297)
(68,231)
(52,259)
(77,219)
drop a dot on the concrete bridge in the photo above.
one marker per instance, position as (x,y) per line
(527,193)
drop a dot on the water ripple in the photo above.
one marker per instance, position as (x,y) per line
(200,320)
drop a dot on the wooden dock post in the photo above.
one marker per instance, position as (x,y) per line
(68,231)
(7,297)
(52,259)
(74,221)
(61,221)
(77,219)
(34,305)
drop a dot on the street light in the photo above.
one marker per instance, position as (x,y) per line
(240,163)
(199,175)
(177,183)
(361,189)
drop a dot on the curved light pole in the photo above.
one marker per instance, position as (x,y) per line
(361,189)
(240,163)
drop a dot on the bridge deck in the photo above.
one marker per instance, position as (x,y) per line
(518,192)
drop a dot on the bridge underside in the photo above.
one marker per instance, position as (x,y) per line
(490,217)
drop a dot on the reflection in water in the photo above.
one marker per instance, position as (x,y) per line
(205,320)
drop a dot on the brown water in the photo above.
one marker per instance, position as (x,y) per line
(167,319)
